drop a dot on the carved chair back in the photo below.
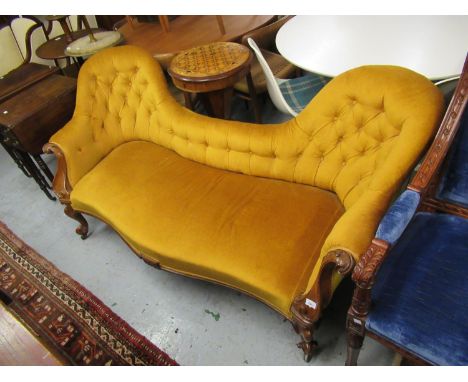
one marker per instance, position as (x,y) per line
(443,184)
(453,185)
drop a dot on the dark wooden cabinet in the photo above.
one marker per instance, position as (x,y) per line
(31,117)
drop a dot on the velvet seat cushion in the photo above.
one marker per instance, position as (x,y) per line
(421,292)
(262,236)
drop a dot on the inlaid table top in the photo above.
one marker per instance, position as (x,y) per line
(210,61)
(212,69)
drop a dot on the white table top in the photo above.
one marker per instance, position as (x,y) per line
(435,46)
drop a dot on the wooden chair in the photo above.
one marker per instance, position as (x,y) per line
(18,40)
(11,55)
(265,38)
(411,285)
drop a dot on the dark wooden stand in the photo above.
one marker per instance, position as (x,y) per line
(30,118)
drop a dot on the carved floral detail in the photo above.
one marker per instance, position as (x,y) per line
(364,272)
(445,136)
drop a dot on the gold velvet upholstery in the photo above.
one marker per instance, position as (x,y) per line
(130,147)
(212,223)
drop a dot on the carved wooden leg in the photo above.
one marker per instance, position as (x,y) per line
(307,309)
(355,323)
(253,99)
(82,230)
(355,341)
(308,344)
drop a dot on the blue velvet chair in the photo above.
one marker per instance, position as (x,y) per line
(411,289)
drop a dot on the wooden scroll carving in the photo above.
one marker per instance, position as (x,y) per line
(62,188)
(307,308)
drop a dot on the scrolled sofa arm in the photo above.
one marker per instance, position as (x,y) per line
(355,230)
(79,148)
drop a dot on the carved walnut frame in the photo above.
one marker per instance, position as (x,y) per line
(425,183)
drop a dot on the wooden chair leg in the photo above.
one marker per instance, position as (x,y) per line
(253,98)
(355,341)
(82,230)
(188,100)
(355,322)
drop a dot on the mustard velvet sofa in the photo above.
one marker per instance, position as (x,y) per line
(278,211)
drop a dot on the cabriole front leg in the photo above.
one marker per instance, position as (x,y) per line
(82,230)
(306,331)
(307,308)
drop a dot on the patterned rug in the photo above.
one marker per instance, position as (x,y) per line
(66,316)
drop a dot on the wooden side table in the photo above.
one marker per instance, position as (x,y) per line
(22,77)
(54,49)
(212,70)
(30,118)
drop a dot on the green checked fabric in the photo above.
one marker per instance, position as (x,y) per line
(299,91)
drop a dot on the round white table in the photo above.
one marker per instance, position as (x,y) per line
(435,46)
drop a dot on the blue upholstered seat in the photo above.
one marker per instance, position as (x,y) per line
(420,298)
(299,91)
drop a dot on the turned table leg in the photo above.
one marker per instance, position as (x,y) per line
(253,99)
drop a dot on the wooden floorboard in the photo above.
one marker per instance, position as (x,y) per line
(20,347)
(189,31)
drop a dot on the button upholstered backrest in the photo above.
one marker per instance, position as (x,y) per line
(453,186)
(365,129)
